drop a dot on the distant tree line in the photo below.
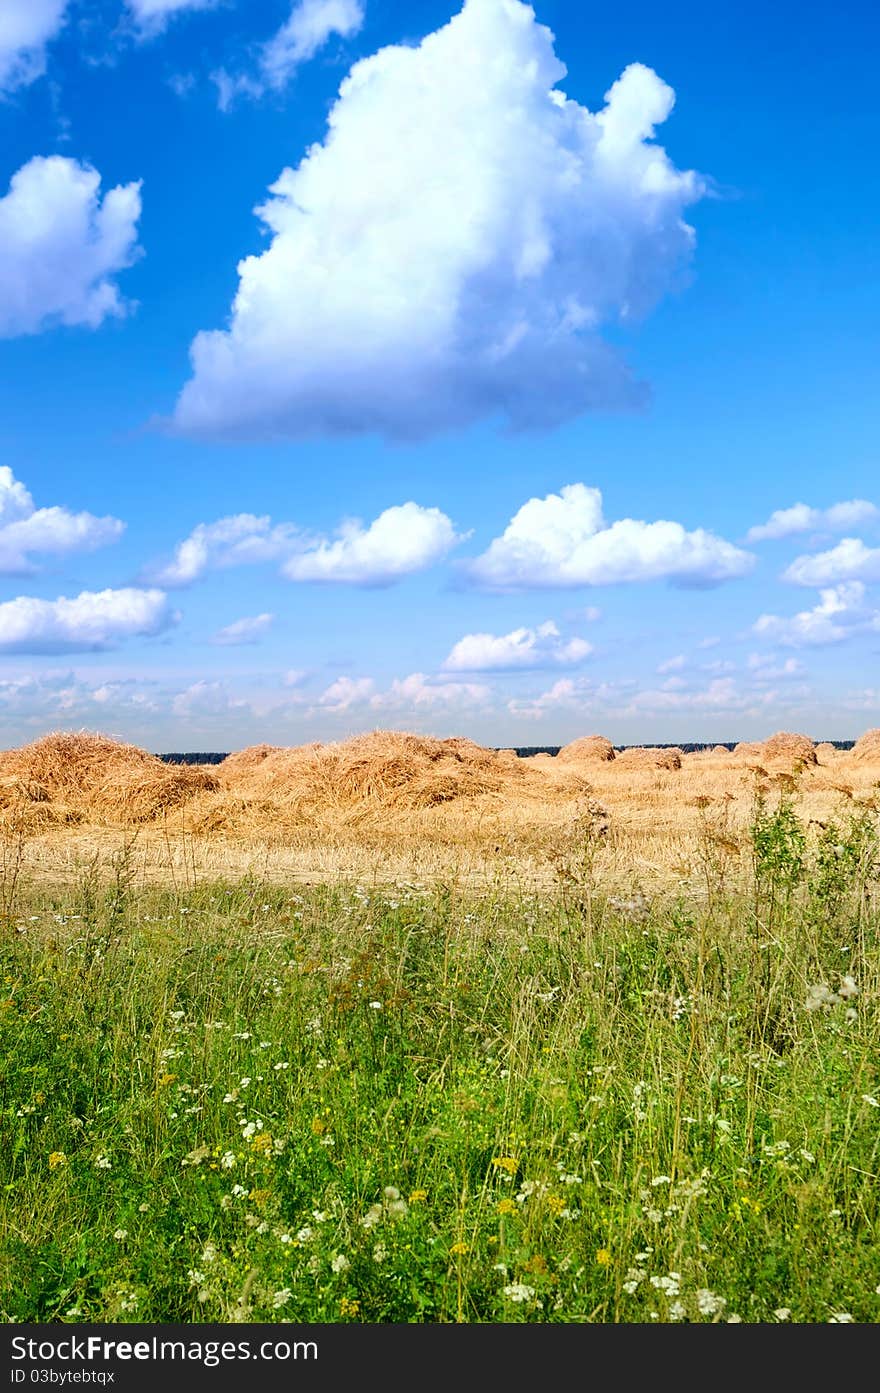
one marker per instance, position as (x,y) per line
(524,751)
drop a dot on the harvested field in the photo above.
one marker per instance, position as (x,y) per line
(392,805)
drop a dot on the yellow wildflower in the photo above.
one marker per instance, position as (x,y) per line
(459,1249)
(506,1163)
(56,1159)
(507,1206)
(349,1308)
(418,1197)
(603,1256)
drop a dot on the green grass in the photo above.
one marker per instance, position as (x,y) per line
(244,1103)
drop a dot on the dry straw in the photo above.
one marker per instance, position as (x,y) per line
(586,749)
(648,757)
(95,778)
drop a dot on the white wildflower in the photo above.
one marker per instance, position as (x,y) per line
(519,1292)
(708,1304)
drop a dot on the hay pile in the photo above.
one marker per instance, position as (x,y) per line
(790,749)
(248,758)
(867,748)
(647,757)
(748,749)
(387,770)
(826,751)
(83,776)
(588,748)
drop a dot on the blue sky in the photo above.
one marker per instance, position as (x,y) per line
(491,439)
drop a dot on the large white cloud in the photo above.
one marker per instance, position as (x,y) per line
(523,649)
(26,26)
(25,529)
(400,541)
(62,244)
(89,622)
(840,614)
(849,560)
(563,540)
(453,249)
(788,522)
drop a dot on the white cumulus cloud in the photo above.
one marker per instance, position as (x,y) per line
(90,621)
(563,540)
(248,630)
(840,614)
(400,541)
(788,522)
(525,649)
(453,249)
(25,529)
(26,27)
(62,246)
(849,560)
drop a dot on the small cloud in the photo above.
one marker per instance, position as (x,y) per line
(522,649)
(399,542)
(312,23)
(26,529)
(840,614)
(788,522)
(849,560)
(182,84)
(346,692)
(152,17)
(419,692)
(26,28)
(672,664)
(89,622)
(249,630)
(63,244)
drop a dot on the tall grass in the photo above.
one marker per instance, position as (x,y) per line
(237,1103)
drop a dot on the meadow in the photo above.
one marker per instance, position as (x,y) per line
(364,1099)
